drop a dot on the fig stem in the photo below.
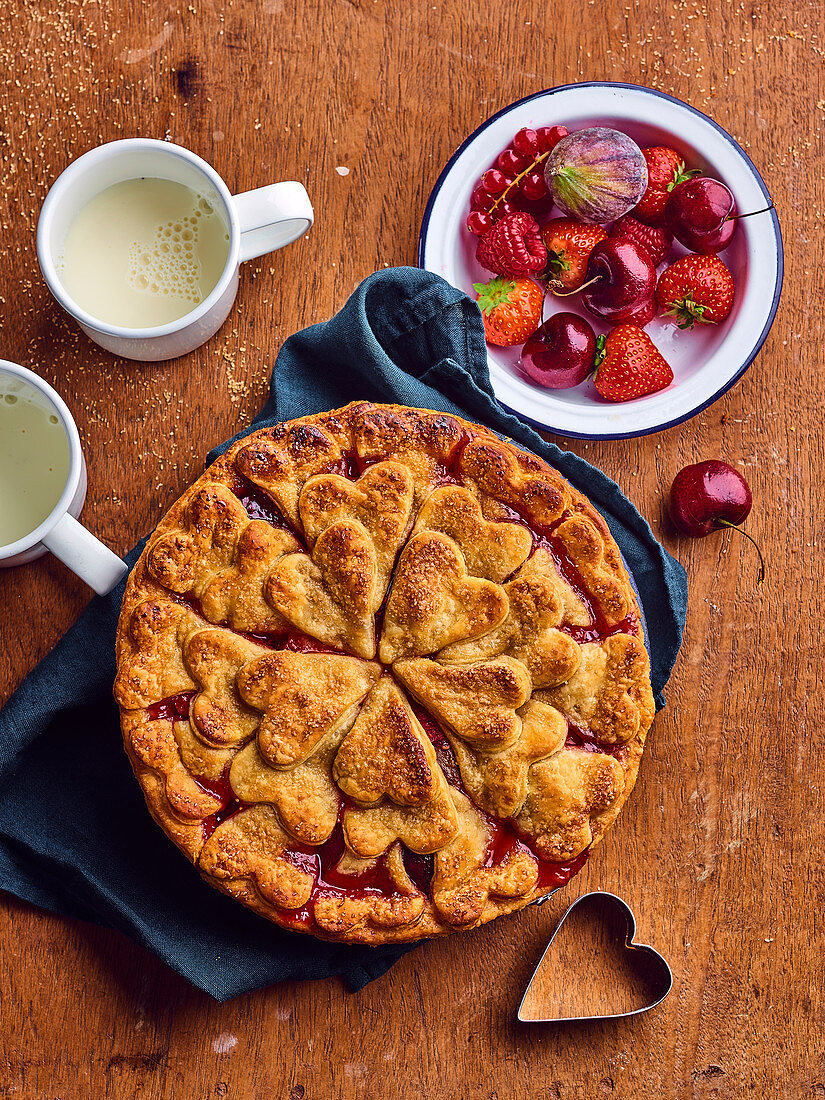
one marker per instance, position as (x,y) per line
(736,527)
(567,293)
(750,213)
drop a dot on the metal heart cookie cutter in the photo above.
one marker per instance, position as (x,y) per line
(614,976)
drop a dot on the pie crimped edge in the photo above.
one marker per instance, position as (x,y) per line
(526,665)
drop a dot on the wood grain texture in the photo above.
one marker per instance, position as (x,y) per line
(720,850)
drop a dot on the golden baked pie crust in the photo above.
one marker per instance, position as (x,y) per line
(276,661)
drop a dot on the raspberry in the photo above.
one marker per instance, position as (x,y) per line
(656,242)
(513,246)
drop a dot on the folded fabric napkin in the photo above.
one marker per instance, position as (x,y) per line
(75,836)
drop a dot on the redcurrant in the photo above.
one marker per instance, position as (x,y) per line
(550,136)
(527,141)
(479,222)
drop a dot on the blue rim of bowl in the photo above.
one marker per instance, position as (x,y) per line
(780,253)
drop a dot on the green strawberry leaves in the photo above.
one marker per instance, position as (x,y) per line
(556,263)
(680,175)
(688,310)
(494,294)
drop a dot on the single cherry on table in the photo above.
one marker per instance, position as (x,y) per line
(710,496)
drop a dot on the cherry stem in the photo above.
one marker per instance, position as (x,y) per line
(567,293)
(750,214)
(736,527)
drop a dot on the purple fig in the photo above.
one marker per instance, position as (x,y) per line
(596,175)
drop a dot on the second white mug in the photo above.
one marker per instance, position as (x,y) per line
(258,222)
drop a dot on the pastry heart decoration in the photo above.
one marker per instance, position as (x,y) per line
(333,595)
(617,712)
(251,844)
(303,697)
(222,558)
(235,595)
(530,633)
(156,670)
(478,702)
(218,714)
(497,781)
(280,459)
(183,560)
(491,549)
(387,764)
(380,500)
(513,478)
(433,601)
(462,882)
(586,784)
(386,753)
(592,968)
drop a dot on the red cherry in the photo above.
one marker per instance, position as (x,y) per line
(710,496)
(560,352)
(494,181)
(550,136)
(699,214)
(642,315)
(511,163)
(481,199)
(478,222)
(620,277)
(527,141)
(533,186)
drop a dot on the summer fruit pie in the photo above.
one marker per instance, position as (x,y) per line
(511,309)
(382,676)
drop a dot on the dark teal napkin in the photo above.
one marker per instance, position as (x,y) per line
(75,836)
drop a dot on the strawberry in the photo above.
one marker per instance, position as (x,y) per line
(569,244)
(511,309)
(665,168)
(654,240)
(513,246)
(696,288)
(628,365)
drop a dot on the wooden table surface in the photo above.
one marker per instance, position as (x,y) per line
(720,850)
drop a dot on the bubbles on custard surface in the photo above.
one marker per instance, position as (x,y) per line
(170,266)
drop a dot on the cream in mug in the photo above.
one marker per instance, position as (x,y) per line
(34,459)
(144,252)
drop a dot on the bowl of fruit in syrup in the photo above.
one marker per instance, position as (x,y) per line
(623,249)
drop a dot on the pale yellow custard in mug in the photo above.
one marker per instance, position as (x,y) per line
(144,252)
(34,459)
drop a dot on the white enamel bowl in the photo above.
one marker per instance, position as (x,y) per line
(706,361)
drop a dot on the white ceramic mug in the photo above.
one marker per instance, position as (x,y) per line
(59,531)
(258,222)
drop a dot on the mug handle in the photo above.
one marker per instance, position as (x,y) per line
(270,217)
(85,555)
